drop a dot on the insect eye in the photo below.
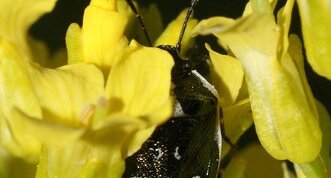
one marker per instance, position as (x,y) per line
(188,66)
(182,69)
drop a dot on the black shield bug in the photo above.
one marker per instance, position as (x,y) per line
(188,145)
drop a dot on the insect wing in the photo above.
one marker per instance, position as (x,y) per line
(199,100)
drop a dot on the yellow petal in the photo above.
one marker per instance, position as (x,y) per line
(296,53)
(136,140)
(102,35)
(261,6)
(325,123)
(65,91)
(139,85)
(211,25)
(237,119)
(58,95)
(235,169)
(74,44)
(262,23)
(16,17)
(118,129)
(285,124)
(243,92)
(99,153)
(316,24)
(47,132)
(9,165)
(284,20)
(171,34)
(114,130)
(280,109)
(249,9)
(80,160)
(226,148)
(228,76)
(101,38)
(42,56)
(259,164)
(16,90)
(97,150)
(319,167)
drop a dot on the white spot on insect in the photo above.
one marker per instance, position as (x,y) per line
(218,136)
(178,110)
(196,177)
(205,83)
(160,153)
(176,154)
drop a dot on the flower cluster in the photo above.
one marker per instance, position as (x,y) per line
(84,118)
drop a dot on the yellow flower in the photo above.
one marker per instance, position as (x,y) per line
(135,103)
(284,111)
(316,23)
(57,95)
(101,38)
(15,19)
(60,109)
(228,77)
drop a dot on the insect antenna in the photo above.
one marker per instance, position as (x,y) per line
(188,15)
(140,20)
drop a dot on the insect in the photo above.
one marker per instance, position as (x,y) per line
(188,145)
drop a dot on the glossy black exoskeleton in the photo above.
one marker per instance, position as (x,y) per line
(188,145)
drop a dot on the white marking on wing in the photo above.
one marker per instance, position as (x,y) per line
(205,83)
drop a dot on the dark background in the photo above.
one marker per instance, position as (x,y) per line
(52,27)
